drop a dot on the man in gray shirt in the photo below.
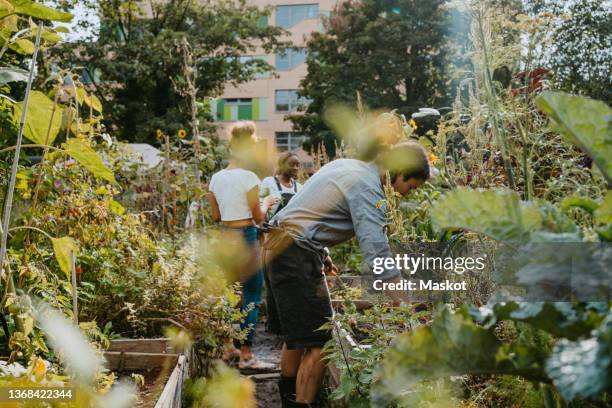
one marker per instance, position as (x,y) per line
(342,200)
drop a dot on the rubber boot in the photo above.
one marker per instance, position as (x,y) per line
(286,388)
(294,404)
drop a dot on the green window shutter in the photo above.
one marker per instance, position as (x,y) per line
(262,22)
(227,112)
(233,115)
(220,109)
(263,108)
(255,108)
(245,112)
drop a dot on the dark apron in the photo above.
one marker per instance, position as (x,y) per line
(285,197)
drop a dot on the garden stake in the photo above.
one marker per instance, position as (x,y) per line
(11,189)
(75,308)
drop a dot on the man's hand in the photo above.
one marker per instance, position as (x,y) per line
(397,296)
(328,267)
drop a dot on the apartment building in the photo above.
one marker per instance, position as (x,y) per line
(269,98)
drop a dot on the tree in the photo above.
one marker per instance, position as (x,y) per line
(580,56)
(392,52)
(137,65)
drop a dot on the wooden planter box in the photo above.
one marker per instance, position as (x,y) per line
(146,354)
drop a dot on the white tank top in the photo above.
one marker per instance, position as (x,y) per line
(230,188)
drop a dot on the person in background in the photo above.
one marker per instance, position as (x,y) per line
(234,200)
(283,185)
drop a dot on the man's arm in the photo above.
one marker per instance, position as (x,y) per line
(369,225)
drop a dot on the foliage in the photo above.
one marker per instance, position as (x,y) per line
(392,53)
(498,214)
(376,330)
(579,45)
(136,65)
(583,122)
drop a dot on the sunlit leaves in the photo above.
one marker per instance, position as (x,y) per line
(42,118)
(87,157)
(499,214)
(227,389)
(584,122)
(63,248)
(33,9)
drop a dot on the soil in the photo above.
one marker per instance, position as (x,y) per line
(266,348)
(154,382)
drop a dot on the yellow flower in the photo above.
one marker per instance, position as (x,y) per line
(182,133)
(159,133)
(433,158)
(413,124)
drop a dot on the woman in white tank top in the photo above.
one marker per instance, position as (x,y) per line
(234,200)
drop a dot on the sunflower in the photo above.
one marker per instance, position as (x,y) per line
(433,158)
(413,124)
(159,133)
(182,133)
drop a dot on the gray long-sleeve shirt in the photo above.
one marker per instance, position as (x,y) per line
(341,200)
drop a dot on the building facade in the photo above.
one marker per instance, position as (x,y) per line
(269,98)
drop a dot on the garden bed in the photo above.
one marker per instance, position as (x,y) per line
(163,370)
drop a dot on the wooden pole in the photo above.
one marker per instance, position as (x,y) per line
(75,307)
(11,189)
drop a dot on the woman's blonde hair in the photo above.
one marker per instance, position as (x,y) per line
(242,136)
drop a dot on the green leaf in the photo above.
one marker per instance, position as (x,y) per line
(62,247)
(88,158)
(24,323)
(40,108)
(584,122)
(12,74)
(452,345)
(23,46)
(499,214)
(37,10)
(585,203)
(603,214)
(582,369)
(116,207)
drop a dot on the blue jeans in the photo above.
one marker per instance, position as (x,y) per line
(251,289)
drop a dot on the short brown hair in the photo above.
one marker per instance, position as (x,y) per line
(408,159)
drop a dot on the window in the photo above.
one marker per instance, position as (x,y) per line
(237,109)
(289,141)
(240,109)
(288,16)
(290,60)
(288,100)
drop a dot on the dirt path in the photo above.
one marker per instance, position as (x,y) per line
(267,349)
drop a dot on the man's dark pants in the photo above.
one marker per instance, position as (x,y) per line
(298,299)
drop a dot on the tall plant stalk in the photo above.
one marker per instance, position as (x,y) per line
(498,130)
(11,189)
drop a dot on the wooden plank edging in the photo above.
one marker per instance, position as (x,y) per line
(172,393)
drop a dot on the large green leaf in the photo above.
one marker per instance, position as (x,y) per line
(62,247)
(88,158)
(38,10)
(583,368)
(12,74)
(584,122)
(452,345)
(38,117)
(499,214)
